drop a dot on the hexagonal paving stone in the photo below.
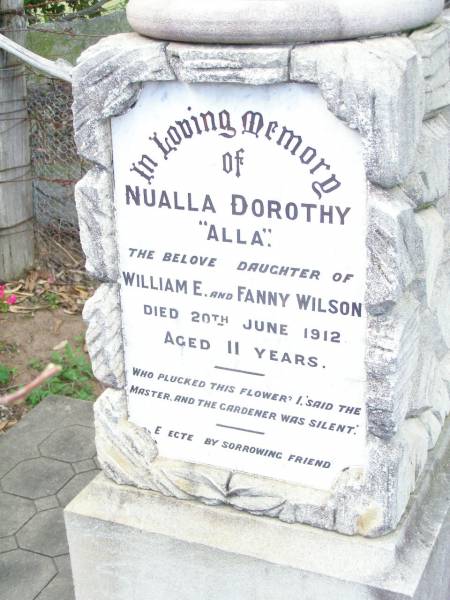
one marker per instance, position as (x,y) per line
(84,465)
(14,449)
(72,444)
(60,588)
(37,477)
(75,485)
(24,574)
(45,533)
(7,544)
(46,503)
(14,513)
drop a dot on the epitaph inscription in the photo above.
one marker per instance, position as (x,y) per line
(241,221)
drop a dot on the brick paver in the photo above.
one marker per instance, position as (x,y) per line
(45,461)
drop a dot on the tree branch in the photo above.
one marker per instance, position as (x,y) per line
(20,395)
(82,13)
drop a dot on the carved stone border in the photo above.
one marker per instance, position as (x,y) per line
(395,91)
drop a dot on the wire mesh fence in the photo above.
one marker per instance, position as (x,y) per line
(58,278)
(56,167)
(56,31)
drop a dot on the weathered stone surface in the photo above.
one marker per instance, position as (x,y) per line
(84,465)
(61,587)
(24,449)
(368,504)
(256,66)
(75,485)
(24,574)
(430,390)
(379,87)
(27,574)
(434,332)
(431,226)
(445,20)
(93,197)
(124,450)
(429,179)
(272,21)
(440,398)
(432,44)
(444,368)
(37,477)
(70,444)
(432,427)
(7,544)
(437,93)
(392,253)
(46,503)
(424,382)
(440,302)
(106,82)
(374,86)
(155,539)
(374,502)
(44,533)
(15,512)
(391,360)
(390,150)
(104,335)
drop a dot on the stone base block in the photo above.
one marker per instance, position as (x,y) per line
(130,544)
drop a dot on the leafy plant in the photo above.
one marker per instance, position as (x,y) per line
(47,10)
(6,374)
(75,378)
(51,299)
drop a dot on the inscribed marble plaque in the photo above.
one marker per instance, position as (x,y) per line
(241,223)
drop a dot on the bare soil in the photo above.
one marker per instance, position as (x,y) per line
(46,313)
(26,338)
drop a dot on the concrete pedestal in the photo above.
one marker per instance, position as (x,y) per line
(130,544)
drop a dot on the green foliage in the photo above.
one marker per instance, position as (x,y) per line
(74,380)
(6,374)
(51,299)
(42,11)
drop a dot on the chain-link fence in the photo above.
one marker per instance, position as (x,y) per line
(56,166)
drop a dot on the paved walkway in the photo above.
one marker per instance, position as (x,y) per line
(45,461)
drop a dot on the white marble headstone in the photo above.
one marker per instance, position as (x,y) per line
(271,228)
(241,220)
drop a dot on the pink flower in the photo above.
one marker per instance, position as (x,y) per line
(12,299)
(2,292)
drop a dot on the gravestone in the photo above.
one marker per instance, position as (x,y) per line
(233,292)
(271,227)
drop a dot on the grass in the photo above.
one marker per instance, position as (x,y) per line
(74,380)
(6,374)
